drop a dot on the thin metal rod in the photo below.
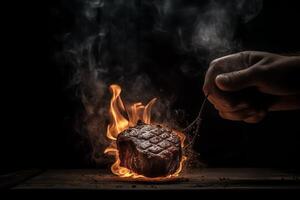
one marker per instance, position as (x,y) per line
(195,124)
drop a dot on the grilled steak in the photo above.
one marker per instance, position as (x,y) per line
(150,150)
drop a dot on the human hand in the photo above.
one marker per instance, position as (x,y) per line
(246,85)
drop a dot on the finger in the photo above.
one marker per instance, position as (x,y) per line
(218,66)
(226,64)
(230,107)
(239,115)
(256,118)
(286,103)
(223,100)
(229,102)
(237,80)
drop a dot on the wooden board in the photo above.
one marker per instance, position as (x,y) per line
(10,179)
(204,179)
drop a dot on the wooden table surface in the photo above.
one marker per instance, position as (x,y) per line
(197,179)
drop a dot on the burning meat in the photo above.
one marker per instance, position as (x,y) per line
(141,148)
(150,150)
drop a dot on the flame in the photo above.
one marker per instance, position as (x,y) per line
(119,123)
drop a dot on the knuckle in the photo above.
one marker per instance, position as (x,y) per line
(217,65)
(246,57)
(231,116)
(236,116)
(255,119)
(228,105)
(213,63)
(238,108)
(251,120)
(223,115)
(243,105)
(246,52)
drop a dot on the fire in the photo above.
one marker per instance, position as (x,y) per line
(119,123)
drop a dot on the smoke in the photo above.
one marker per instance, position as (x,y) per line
(215,30)
(147,46)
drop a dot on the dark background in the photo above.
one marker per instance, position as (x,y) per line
(36,134)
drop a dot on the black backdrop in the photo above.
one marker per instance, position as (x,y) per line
(35,133)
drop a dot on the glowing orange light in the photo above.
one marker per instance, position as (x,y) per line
(119,123)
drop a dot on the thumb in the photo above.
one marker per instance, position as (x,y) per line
(235,81)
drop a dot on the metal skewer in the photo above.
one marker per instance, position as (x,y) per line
(195,125)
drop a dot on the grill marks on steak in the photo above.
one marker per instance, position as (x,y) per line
(150,150)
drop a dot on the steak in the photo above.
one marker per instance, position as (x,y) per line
(149,150)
